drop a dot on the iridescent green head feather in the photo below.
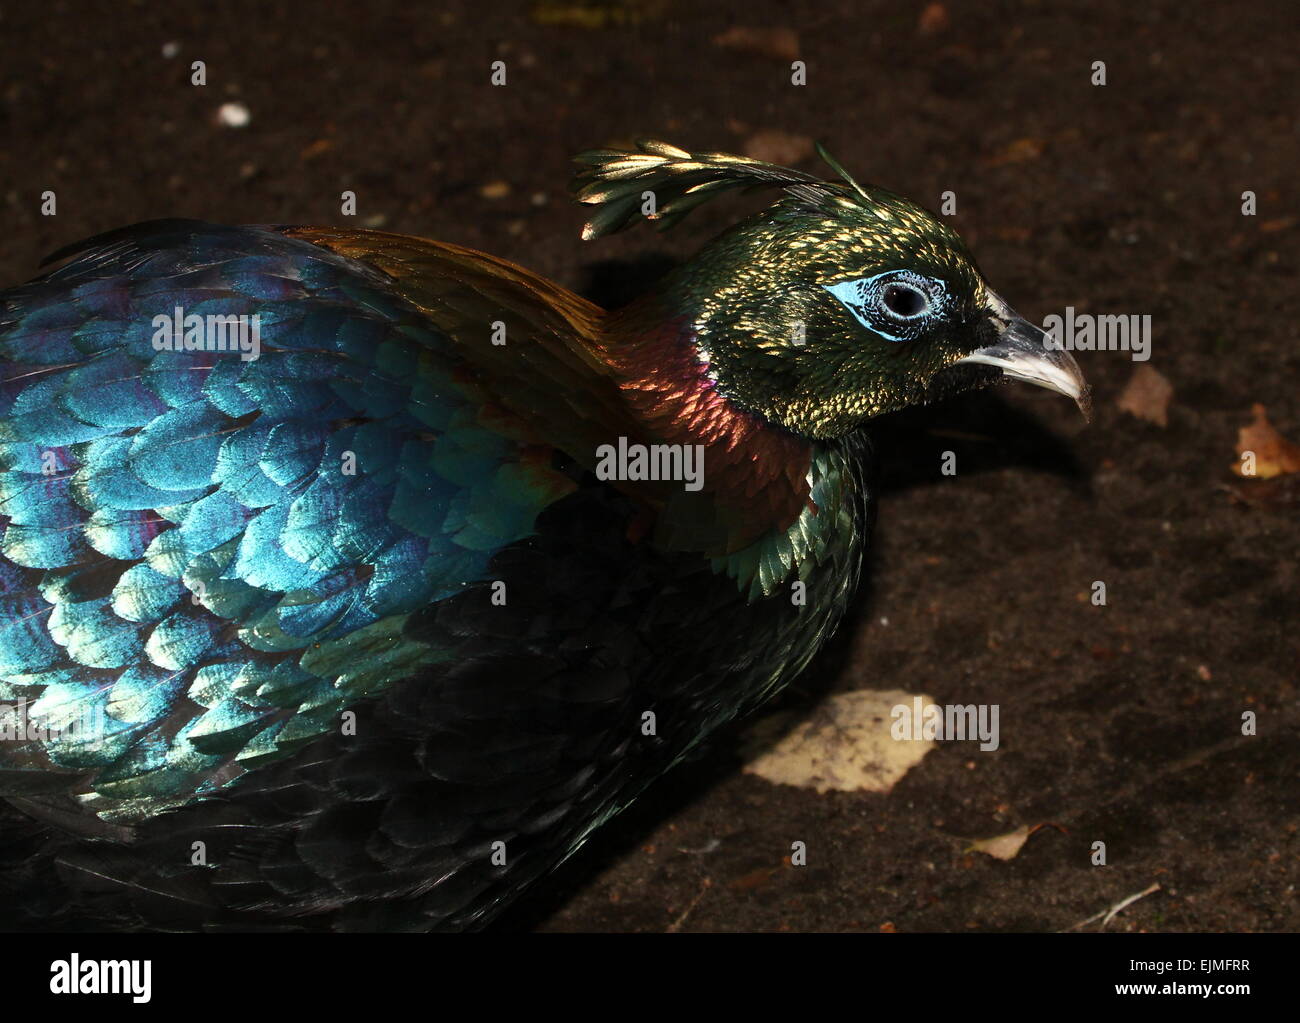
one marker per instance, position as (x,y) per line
(835,304)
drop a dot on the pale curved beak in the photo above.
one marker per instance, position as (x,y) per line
(1027,353)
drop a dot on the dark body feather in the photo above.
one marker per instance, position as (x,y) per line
(198,569)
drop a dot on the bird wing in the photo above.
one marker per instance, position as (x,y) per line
(207,558)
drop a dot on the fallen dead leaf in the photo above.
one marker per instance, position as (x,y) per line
(1002,847)
(596,14)
(754,879)
(933,20)
(1016,152)
(316,148)
(766,42)
(844,746)
(1274,454)
(1147,395)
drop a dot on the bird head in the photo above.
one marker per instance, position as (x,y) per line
(836,304)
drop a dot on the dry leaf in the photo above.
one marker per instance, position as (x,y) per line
(596,14)
(1274,454)
(754,879)
(1002,847)
(767,42)
(316,148)
(1016,152)
(845,745)
(778,147)
(934,19)
(1147,395)
(1276,224)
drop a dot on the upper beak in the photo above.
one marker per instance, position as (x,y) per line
(1025,352)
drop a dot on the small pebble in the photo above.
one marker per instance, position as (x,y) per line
(233,115)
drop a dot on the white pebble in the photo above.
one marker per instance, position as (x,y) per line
(233,115)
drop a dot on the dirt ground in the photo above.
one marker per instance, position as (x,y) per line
(1120,723)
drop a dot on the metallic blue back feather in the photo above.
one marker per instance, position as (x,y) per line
(189,569)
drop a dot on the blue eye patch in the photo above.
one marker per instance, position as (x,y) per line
(896,305)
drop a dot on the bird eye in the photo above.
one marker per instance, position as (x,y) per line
(904,301)
(897,305)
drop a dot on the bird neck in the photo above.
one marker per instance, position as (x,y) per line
(667,384)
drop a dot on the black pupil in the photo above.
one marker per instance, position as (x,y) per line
(903,301)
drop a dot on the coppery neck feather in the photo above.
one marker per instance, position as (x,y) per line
(749,463)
